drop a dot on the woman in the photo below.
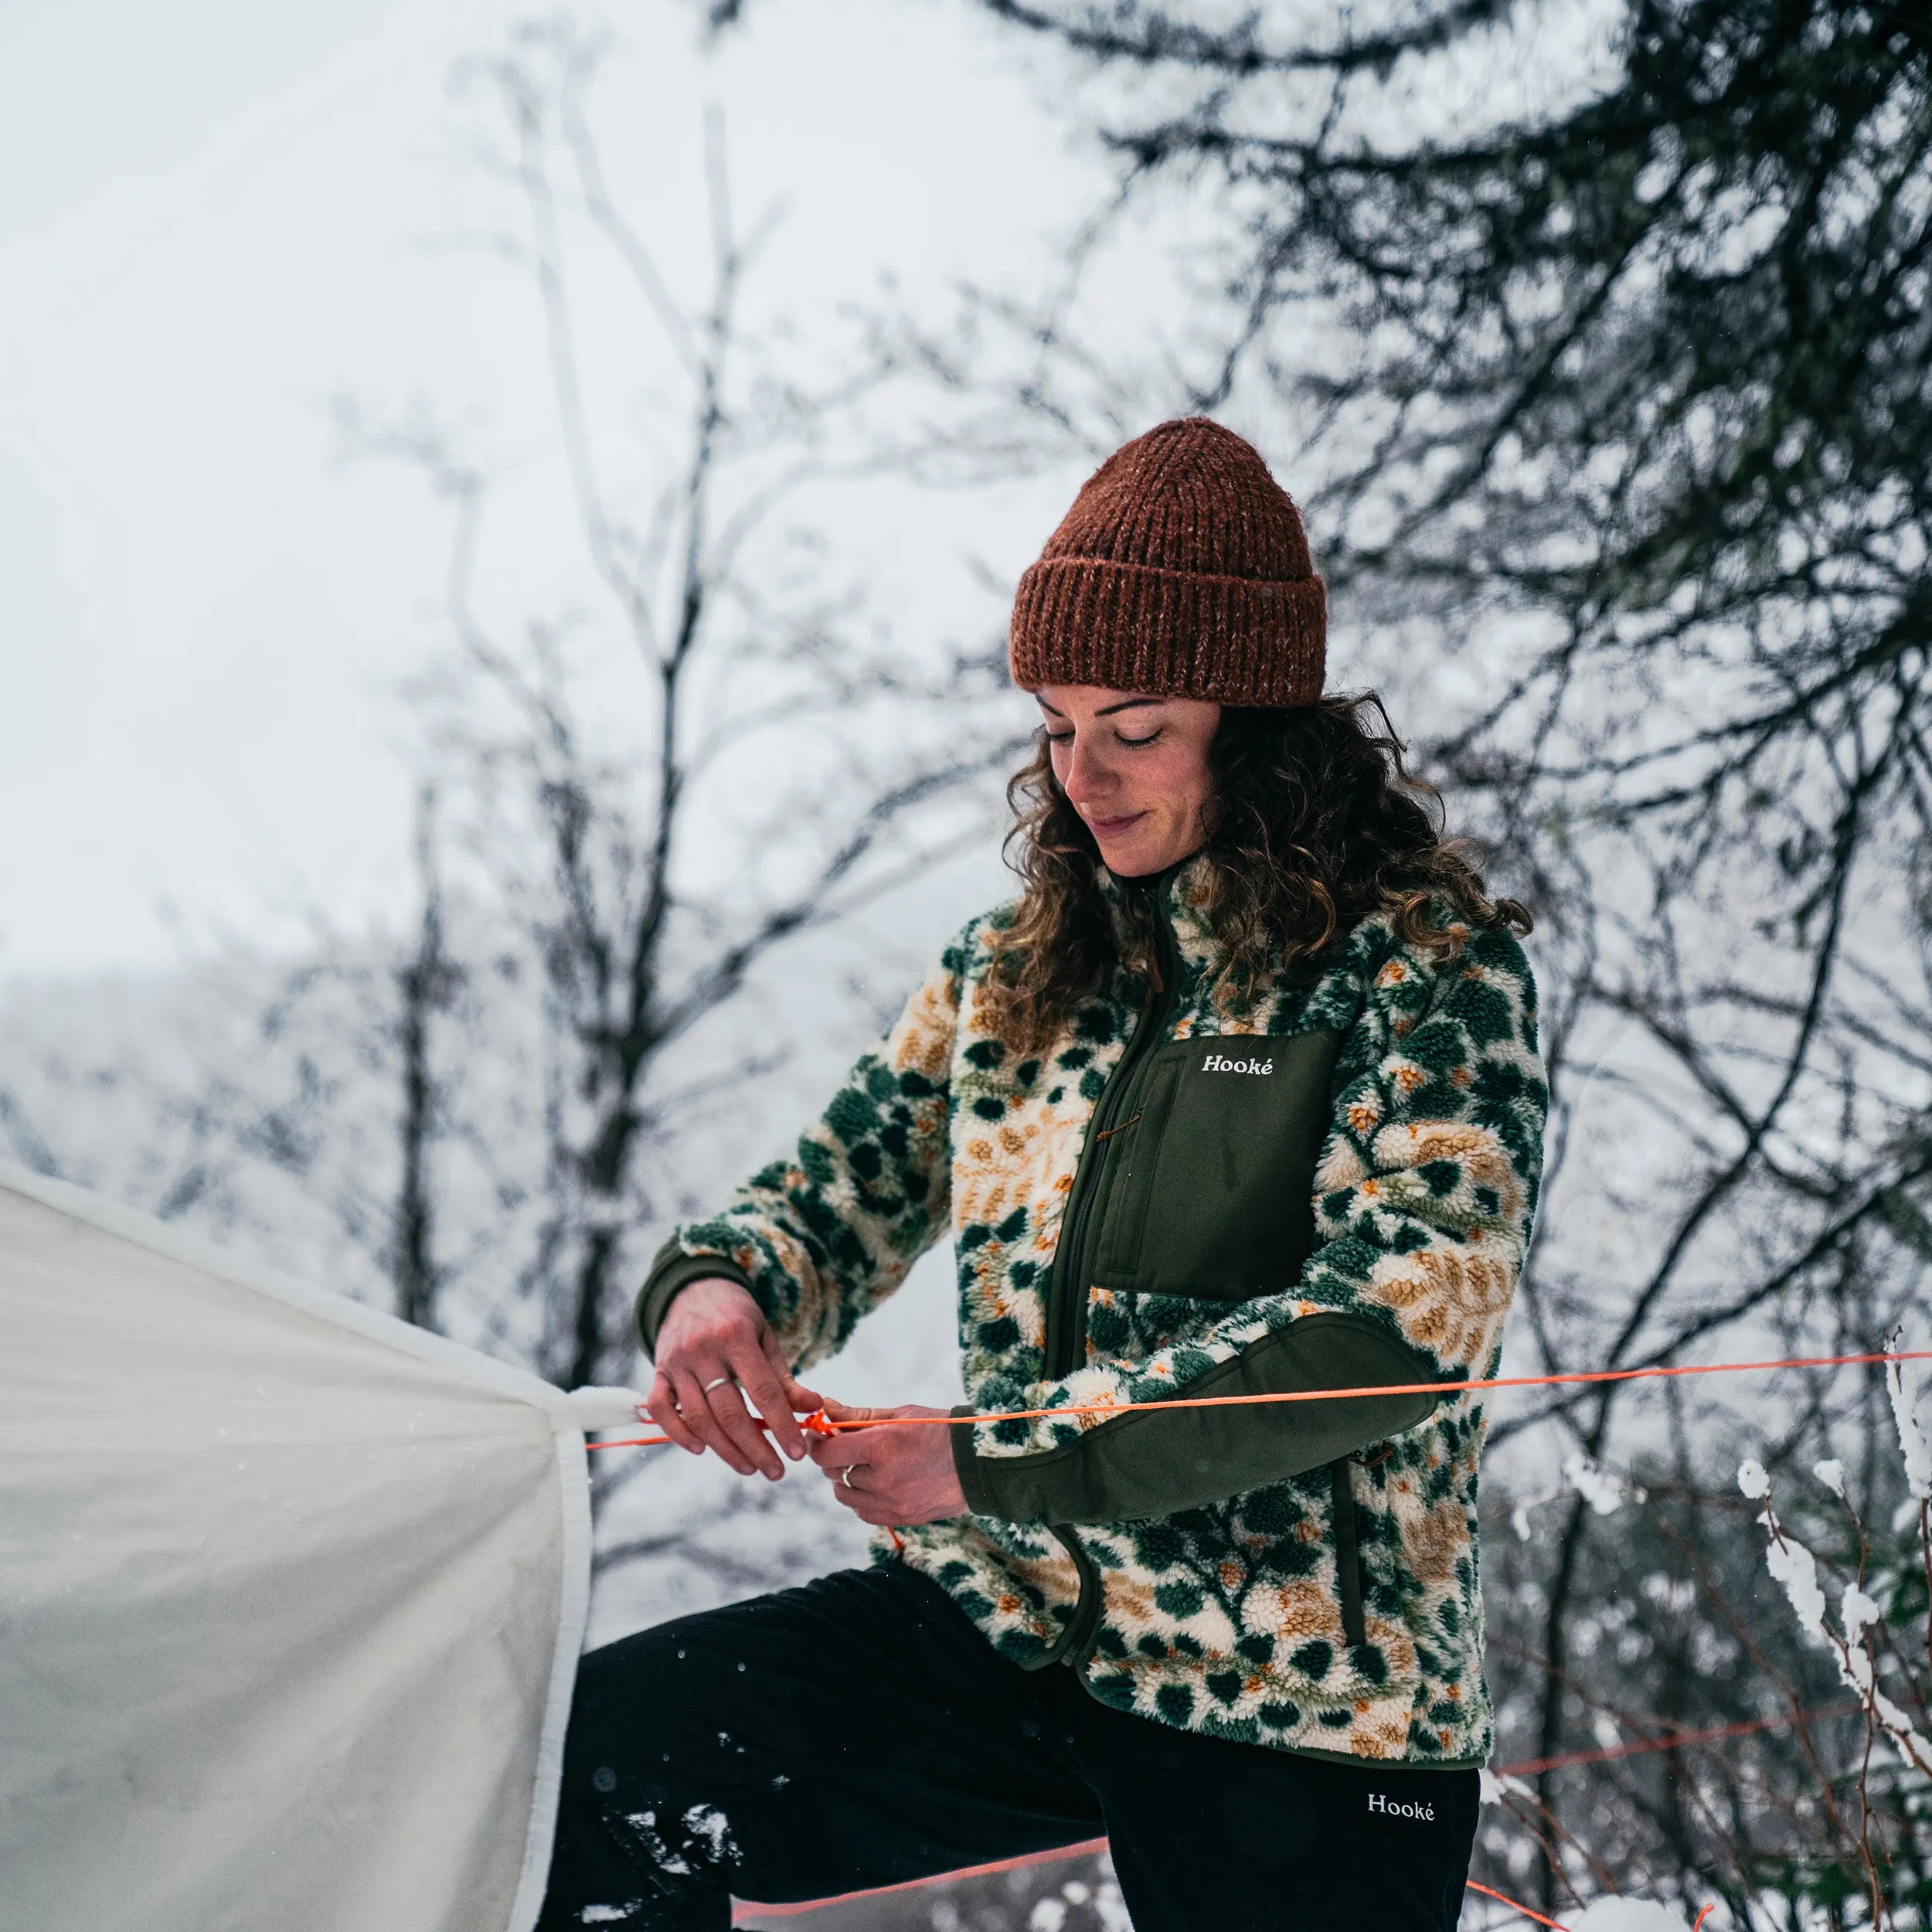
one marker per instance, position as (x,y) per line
(1242,1097)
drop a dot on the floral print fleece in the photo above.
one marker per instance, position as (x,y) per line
(1333,1609)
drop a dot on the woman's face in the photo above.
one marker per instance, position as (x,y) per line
(1135,768)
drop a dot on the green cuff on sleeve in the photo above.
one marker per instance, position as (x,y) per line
(673,1269)
(1152,1461)
(979,1497)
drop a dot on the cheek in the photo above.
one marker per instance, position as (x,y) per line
(1182,780)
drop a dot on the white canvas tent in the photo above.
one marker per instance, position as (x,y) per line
(291,1595)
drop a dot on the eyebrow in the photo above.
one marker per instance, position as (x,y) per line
(1106,711)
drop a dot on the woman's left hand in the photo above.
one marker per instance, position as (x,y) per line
(889,1476)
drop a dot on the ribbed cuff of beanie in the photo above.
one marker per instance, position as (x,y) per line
(1136,627)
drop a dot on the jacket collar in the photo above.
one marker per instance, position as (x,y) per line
(1177,893)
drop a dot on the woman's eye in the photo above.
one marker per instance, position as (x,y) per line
(1060,737)
(1147,740)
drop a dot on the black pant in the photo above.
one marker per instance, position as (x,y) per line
(860,1732)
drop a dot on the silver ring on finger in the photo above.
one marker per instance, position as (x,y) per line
(716,1382)
(844,1475)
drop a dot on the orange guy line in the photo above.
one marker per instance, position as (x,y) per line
(1514,1906)
(1048,1857)
(747,1910)
(1671,1740)
(820,1424)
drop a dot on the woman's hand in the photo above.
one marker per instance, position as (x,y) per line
(715,1347)
(887,1476)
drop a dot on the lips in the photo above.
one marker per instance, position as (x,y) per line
(1105,827)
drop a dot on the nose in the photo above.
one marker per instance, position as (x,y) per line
(1088,778)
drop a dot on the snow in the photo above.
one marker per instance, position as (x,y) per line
(1624,1915)
(645,1825)
(1858,1611)
(1050,1914)
(1602,1489)
(707,1822)
(1752,1479)
(1912,1437)
(1792,1568)
(707,1835)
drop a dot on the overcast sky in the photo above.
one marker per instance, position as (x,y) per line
(211,219)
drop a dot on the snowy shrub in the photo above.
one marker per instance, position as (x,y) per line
(1866,1608)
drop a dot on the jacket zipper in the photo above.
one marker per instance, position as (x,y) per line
(1066,1295)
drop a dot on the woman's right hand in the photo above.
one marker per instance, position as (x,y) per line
(715,1347)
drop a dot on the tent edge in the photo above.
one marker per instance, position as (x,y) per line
(573,1610)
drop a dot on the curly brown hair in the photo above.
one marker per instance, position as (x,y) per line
(1314,823)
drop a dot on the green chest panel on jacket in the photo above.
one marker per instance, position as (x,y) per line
(1207,1188)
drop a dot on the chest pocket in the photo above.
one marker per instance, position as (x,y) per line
(1207,1190)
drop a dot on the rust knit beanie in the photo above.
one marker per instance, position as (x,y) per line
(1182,570)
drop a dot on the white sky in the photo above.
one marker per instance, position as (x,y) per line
(209,221)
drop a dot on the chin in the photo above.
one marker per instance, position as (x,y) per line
(1134,859)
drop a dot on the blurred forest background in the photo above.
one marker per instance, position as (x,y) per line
(1594,338)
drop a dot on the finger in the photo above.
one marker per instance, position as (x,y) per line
(868,1456)
(727,1404)
(873,1509)
(758,1382)
(800,1400)
(855,1413)
(865,1504)
(702,1422)
(858,1441)
(833,1454)
(870,1496)
(846,1449)
(662,1406)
